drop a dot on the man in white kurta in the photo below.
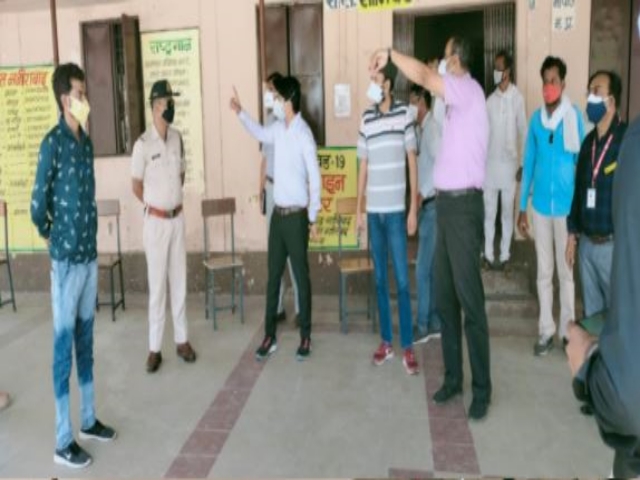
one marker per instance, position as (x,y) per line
(508,126)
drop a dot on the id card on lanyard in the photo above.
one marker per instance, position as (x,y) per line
(591,192)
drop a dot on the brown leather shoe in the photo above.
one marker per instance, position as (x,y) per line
(185,352)
(153,362)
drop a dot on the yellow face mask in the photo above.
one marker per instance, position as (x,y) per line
(80,110)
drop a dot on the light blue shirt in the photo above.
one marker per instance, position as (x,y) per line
(268,150)
(296,181)
(430,132)
(549,170)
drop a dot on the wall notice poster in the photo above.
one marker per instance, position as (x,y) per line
(28,111)
(564,15)
(175,56)
(339,170)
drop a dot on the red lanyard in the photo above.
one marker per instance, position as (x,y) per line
(596,168)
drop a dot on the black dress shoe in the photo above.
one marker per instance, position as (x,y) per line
(445,394)
(478,409)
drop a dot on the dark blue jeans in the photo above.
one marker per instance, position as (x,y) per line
(428,318)
(388,233)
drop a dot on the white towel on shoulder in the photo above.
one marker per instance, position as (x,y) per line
(567,114)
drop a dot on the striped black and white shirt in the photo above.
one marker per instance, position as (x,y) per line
(384,141)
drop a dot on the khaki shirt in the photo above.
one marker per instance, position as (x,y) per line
(160,166)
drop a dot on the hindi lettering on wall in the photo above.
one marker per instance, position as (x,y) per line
(28,111)
(339,171)
(175,56)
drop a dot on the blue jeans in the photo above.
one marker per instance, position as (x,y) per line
(427,229)
(73,295)
(595,273)
(388,233)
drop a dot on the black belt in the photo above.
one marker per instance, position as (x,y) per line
(427,201)
(458,193)
(600,239)
(285,211)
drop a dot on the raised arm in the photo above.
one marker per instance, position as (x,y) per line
(416,71)
(257,131)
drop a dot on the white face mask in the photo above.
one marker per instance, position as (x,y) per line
(278,109)
(498,76)
(268,99)
(442,67)
(413,112)
(375,93)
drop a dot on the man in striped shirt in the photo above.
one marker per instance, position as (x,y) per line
(386,140)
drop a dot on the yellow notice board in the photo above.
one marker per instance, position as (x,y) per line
(339,170)
(28,111)
(175,56)
(373,5)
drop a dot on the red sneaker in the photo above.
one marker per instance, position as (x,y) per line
(382,354)
(409,361)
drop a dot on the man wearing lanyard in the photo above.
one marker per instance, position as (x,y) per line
(458,177)
(590,222)
(267,174)
(297,204)
(158,170)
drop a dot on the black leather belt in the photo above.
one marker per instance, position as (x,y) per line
(285,211)
(600,239)
(458,193)
(427,201)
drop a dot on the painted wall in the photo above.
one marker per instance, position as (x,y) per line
(230,58)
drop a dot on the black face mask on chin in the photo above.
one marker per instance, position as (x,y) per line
(170,112)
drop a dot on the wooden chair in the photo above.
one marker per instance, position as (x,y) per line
(5,258)
(359,265)
(224,261)
(109,262)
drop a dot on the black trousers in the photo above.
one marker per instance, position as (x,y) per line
(289,237)
(458,288)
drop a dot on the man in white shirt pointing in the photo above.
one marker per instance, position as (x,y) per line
(297,204)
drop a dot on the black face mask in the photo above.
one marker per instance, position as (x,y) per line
(170,112)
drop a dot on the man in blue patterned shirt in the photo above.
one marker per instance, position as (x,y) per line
(63,208)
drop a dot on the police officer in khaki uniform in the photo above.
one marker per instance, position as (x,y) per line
(158,171)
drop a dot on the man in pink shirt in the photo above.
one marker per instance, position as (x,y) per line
(459,175)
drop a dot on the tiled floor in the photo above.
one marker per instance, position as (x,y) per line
(334,416)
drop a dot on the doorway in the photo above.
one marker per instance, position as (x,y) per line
(615,45)
(294,46)
(424,36)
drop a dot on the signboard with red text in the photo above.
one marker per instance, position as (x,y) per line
(339,170)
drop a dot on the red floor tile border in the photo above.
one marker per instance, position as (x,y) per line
(189,466)
(200,452)
(452,442)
